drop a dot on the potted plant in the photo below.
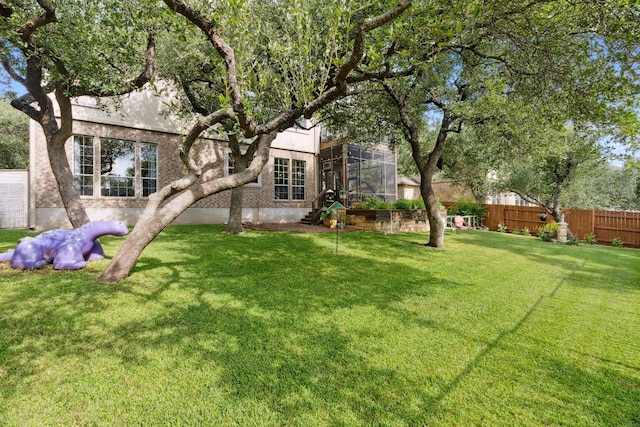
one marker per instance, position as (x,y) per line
(329,217)
(543,217)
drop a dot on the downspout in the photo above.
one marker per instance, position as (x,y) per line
(31,191)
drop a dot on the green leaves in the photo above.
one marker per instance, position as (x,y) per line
(14,138)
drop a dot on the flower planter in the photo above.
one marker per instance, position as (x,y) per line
(330,223)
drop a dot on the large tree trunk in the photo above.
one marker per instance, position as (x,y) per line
(427,170)
(56,135)
(234,225)
(436,222)
(144,232)
(66,184)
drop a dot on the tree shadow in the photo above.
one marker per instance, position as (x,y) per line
(594,267)
(301,331)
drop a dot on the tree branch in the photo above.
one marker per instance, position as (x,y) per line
(362,29)
(191,97)
(201,125)
(227,54)
(32,25)
(12,71)
(143,78)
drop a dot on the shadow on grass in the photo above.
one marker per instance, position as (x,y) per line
(290,325)
(599,267)
(259,307)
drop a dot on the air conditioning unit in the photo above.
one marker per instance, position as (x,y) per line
(326,166)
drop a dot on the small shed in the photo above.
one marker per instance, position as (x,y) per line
(408,188)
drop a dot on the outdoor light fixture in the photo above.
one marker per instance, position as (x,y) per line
(342,194)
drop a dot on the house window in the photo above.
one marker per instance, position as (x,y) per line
(126,168)
(149,168)
(297,179)
(281,178)
(289,182)
(83,164)
(117,167)
(231,169)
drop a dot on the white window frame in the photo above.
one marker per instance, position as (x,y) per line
(290,180)
(77,170)
(97,176)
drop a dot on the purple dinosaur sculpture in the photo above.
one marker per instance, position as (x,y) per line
(67,249)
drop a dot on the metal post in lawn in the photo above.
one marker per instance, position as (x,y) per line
(337,228)
(342,194)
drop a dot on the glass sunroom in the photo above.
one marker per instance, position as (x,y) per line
(364,172)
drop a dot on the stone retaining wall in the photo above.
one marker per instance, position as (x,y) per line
(387,220)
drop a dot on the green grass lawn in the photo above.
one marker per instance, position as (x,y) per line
(275,329)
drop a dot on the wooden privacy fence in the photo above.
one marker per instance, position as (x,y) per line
(605,225)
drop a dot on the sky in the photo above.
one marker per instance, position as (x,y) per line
(10,86)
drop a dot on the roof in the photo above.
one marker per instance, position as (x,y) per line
(403,180)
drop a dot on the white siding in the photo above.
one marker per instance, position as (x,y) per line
(14,198)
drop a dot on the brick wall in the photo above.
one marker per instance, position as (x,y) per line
(169,169)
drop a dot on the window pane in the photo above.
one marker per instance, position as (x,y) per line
(281,178)
(232,164)
(117,167)
(83,164)
(149,168)
(297,180)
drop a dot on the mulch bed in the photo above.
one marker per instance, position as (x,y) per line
(293,227)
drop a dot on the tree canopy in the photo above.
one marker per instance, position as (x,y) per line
(14,138)
(506,70)
(252,71)
(70,48)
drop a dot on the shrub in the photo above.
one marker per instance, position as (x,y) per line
(526,231)
(617,242)
(515,231)
(375,203)
(572,240)
(544,235)
(590,238)
(549,231)
(467,207)
(408,204)
(328,213)
(502,228)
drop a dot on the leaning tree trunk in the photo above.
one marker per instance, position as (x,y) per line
(66,184)
(146,229)
(181,194)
